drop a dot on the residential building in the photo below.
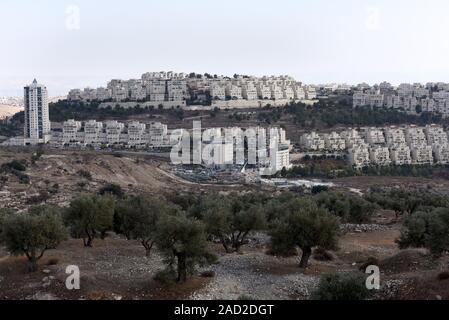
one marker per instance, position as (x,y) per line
(394,136)
(380,156)
(400,154)
(313,142)
(422,154)
(436,135)
(359,156)
(441,153)
(334,142)
(374,136)
(37,120)
(415,136)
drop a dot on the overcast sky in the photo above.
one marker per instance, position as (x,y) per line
(316,41)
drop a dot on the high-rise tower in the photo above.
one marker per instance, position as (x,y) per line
(37,120)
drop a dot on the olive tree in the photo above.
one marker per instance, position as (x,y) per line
(183,242)
(137,219)
(88,216)
(32,235)
(230,221)
(427,230)
(304,225)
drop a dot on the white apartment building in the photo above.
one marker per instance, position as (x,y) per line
(156,90)
(374,136)
(334,142)
(289,93)
(400,155)
(136,134)
(359,156)
(157,134)
(92,132)
(361,99)
(282,159)
(70,131)
(394,102)
(113,131)
(249,91)
(177,90)
(217,92)
(352,138)
(300,94)
(436,135)
(138,92)
(380,156)
(277,93)
(428,105)
(234,92)
(37,120)
(422,154)
(441,153)
(415,136)
(263,91)
(313,142)
(311,93)
(104,94)
(394,136)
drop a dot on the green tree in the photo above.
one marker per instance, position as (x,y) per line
(230,221)
(427,230)
(304,225)
(137,218)
(88,216)
(342,287)
(32,235)
(183,242)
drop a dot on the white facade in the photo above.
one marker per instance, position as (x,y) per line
(359,156)
(37,119)
(394,136)
(334,142)
(217,92)
(380,156)
(312,141)
(415,137)
(441,152)
(436,135)
(400,155)
(374,136)
(422,154)
(352,138)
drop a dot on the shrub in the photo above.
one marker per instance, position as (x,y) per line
(85,174)
(112,189)
(15,165)
(344,287)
